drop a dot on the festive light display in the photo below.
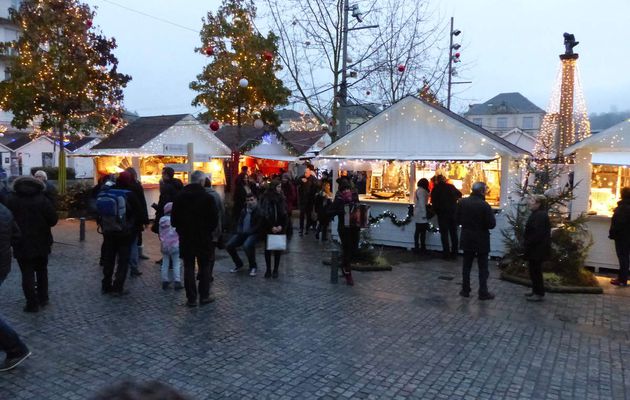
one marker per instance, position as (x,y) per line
(237,57)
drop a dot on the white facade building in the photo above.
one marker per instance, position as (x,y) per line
(8,32)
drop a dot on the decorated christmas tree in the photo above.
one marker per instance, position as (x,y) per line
(63,77)
(239,82)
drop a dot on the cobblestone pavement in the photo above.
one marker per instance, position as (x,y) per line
(394,335)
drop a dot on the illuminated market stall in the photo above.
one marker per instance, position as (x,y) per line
(602,168)
(150,143)
(415,139)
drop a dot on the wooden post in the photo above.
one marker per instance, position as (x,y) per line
(191,159)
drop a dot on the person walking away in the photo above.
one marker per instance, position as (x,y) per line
(345,202)
(475,216)
(444,197)
(620,233)
(248,227)
(51,191)
(273,208)
(290,196)
(537,244)
(119,219)
(307,187)
(138,190)
(169,243)
(322,201)
(34,215)
(217,235)
(195,216)
(10,342)
(421,200)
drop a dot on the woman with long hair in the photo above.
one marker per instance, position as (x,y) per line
(346,200)
(421,199)
(273,207)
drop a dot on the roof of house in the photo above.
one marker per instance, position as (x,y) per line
(228,134)
(505,103)
(303,140)
(367,110)
(139,132)
(77,144)
(288,114)
(15,140)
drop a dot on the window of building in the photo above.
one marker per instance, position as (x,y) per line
(47,159)
(502,123)
(528,122)
(478,121)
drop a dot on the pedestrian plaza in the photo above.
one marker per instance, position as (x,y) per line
(400,334)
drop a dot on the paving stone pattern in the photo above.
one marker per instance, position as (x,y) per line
(403,334)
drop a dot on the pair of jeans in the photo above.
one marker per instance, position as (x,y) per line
(482,263)
(34,270)
(134,254)
(171,259)
(622,248)
(248,241)
(420,232)
(306,214)
(536,275)
(116,247)
(448,227)
(10,341)
(202,276)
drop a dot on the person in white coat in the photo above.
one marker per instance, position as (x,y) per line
(421,199)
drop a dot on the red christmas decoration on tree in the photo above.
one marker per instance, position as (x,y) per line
(214,125)
(267,55)
(401,68)
(88,23)
(113,120)
(209,51)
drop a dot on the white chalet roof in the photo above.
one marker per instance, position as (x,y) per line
(413,129)
(616,138)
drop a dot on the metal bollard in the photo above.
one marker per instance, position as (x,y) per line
(81,229)
(334,266)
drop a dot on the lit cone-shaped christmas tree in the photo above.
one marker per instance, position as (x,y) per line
(566,121)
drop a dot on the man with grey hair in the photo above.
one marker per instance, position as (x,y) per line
(194,216)
(476,217)
(51,191)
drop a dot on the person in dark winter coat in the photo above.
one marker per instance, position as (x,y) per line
(35,215)
(444,198)
(620,233)
(475,216)
(195,217)
(136,187)
(243,187)
(273,208)
(537,244)
(307,188)
(169,188)
(217,235)
(290,196)
(346,200)
(248,228)
(51,191)
(10,342)
(322,201)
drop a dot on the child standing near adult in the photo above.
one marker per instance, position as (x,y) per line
(170,250)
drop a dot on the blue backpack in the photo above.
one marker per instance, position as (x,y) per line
(111,207)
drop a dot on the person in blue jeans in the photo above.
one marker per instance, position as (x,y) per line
(247,230)
(10,342)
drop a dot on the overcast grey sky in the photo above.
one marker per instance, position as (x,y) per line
(508,46)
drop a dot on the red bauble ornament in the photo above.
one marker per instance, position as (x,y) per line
(214,125)
(401,68)
(113,120)
(209,51)
(88,23)
(267,55)
(368,93)
(457,55)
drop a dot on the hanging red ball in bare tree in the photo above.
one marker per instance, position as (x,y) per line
(267,55)
(113,120)
(368,93)
(209,51)
(88,23)
(214,125)
(401,68)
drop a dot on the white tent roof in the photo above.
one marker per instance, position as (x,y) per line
(413,129)
(271,148)
(614,139)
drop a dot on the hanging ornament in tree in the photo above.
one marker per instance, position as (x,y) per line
(267,55)
(113,120)
(258,124)
(214,125)
(324,127)
(256,114)
(243,83)
(368,93)
(88,23)
(209,51)
(401,68)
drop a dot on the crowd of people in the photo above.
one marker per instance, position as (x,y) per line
(192,222)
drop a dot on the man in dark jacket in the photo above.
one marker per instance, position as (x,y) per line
(169,188)
(307,189)
(248,228)
(35,215)
(444,198)
(195,217)
(537,242)
(620,233)
(15,350)
(475,216)
(136,187)
(117,245)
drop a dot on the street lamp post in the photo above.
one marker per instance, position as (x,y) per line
(236,155)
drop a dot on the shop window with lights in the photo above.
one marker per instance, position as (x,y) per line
(606,184)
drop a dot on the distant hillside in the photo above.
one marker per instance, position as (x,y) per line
(602,121)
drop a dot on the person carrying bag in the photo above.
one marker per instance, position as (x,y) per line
(272,204)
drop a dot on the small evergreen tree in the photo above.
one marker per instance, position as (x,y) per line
(63,78)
